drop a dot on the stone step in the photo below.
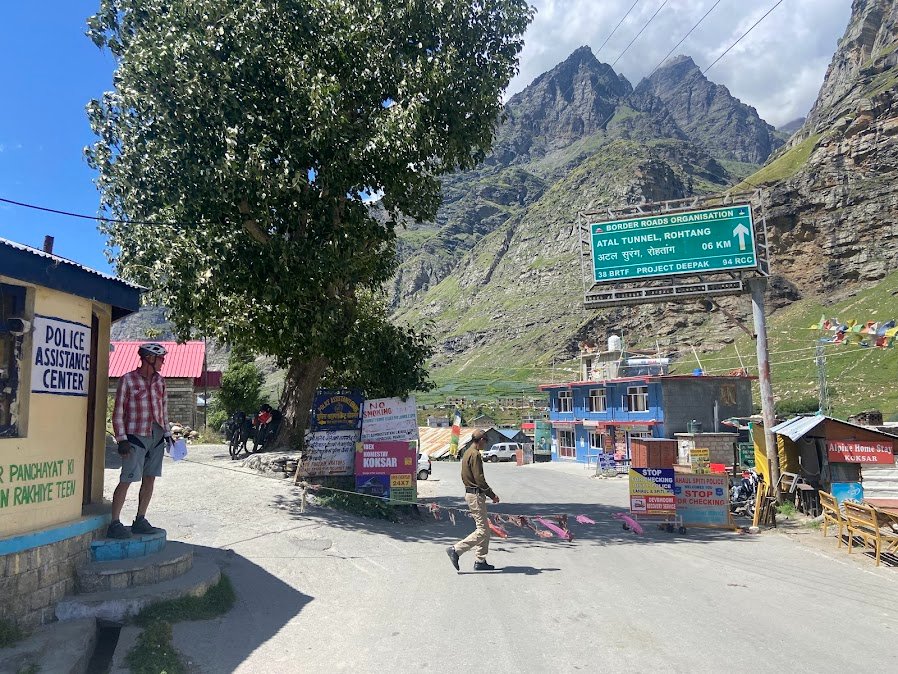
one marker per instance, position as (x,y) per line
(109,549)
(65,648)
(119,605)
(172,561)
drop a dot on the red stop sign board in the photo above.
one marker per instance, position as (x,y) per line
(857,451)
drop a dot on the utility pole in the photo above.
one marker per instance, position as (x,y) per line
(822,386)
(758,285)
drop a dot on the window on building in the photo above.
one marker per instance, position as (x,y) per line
(597,402)
(637,398)
(640,434)
(565,401)
(566,447)
(12,305)
(595,442)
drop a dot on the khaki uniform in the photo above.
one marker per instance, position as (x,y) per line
(473,479)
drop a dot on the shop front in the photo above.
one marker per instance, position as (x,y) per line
(55,318)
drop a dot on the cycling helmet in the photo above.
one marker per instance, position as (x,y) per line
(151,349)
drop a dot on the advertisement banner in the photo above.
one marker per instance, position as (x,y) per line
(847,491)
(336,410)
(389,419)
(859,451)
(61,361)
(652,491)
(703,499)
(542,438)
(328,453)
(387,469)
(700,458)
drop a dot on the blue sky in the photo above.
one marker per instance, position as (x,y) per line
(51,70)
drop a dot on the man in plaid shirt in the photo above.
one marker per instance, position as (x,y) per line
(140,424)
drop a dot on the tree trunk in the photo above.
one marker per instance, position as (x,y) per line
(303,377)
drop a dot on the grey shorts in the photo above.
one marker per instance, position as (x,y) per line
(145,458)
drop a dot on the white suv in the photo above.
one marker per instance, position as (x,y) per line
(501,451)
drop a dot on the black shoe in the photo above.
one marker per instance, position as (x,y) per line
(117,530)
(141,526)
(453,555)
(483,565)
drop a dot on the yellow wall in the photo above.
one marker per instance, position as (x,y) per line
(53,428)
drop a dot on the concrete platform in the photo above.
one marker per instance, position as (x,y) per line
(119,605)
(109,549)
(172,561)
(61,648)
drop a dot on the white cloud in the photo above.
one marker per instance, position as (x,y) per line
(778,68)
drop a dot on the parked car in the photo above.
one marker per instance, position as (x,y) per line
(501,451)
(423,466)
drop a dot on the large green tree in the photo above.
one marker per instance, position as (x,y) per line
(260,131)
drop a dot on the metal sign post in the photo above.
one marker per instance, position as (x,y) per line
(758,286)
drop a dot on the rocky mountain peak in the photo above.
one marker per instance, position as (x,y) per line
(708,113)
(862,67)
(573,100)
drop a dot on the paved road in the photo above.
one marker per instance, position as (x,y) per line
(326,591)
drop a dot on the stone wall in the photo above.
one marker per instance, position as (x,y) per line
(720,446)
(33,581)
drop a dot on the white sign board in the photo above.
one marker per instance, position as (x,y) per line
(329,453)
(61,363)
(389,419)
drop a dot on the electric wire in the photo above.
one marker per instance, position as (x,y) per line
(70,214)
(683,39)
(616,27)
(640,33)
(742,36)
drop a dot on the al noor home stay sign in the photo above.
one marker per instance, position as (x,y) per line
(61,364)
(860,451)
(695,242)
(387,470)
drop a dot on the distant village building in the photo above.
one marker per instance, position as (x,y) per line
(482,421)
(185,375)
(624,395)
(438,422)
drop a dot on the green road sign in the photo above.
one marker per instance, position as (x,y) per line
(671,244)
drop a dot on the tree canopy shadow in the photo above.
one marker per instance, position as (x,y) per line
(418,524)
(264,605)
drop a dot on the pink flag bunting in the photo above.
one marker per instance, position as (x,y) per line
(558,531)
(583,519)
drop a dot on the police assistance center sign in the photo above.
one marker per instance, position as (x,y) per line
(61,364)
(694,242)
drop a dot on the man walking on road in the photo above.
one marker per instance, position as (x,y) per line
(476,492)
(140,424)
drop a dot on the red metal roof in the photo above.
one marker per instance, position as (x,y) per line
(183,360)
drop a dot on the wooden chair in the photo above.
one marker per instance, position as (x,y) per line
(863,523)
(831,514)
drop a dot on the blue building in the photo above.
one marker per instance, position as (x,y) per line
(621,398)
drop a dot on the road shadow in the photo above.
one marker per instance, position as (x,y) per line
(423,526)
(264,605)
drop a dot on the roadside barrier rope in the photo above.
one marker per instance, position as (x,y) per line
(494,520)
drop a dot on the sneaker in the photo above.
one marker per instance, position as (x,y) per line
(117,530)
(453,555)
(142,526)
(483,565)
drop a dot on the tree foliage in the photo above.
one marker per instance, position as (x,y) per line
(258,128)
(241,385)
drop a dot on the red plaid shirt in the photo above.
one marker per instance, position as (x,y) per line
(138,404)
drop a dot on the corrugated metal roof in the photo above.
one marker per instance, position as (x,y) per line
(797,427)
(62,260)
(434,442)
(183,360)
(509,432)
